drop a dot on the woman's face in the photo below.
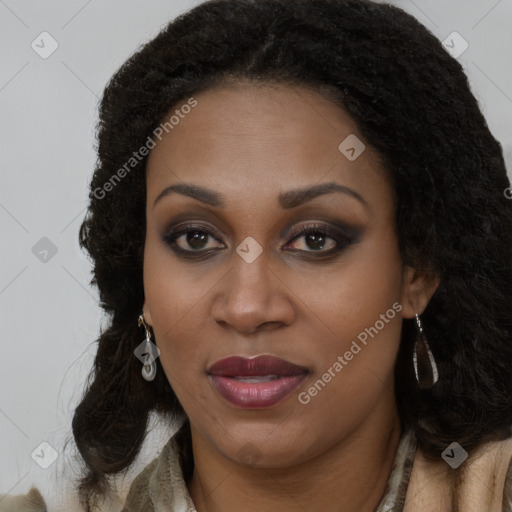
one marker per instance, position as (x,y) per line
(227,272)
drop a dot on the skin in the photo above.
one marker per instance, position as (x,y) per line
(249,143)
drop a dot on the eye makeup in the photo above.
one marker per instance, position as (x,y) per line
(191,240)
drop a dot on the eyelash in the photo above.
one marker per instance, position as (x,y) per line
(342,240)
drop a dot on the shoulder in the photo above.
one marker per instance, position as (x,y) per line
(30,502)
(160,480)
(137,500)
(483,481)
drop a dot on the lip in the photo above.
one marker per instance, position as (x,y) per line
(284,378)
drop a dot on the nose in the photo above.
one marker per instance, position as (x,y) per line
(253,297)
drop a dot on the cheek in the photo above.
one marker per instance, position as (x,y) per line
(352,296)
(174,296)
(358,310)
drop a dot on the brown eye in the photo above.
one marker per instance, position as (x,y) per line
(317,241)
(321,239)
(190,239)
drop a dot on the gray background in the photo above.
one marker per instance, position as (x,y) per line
(49,314)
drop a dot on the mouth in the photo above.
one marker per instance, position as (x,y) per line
(256,382)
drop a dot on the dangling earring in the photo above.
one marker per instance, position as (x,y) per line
(425,366)
(147,352)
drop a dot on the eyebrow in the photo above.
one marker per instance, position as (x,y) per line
(287,200)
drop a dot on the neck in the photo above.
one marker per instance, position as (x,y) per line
(349,477)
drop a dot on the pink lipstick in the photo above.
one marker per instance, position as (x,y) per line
(257,382)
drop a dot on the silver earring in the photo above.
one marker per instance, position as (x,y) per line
(425,366)
(149,364)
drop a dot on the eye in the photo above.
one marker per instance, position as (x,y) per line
(190,239)
(321,239)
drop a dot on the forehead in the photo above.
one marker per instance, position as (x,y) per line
(259,139)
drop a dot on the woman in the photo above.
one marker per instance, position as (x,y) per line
(301,206)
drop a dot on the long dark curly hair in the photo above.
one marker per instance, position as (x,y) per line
(412,102)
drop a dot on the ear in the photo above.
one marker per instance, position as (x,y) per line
(147,314)
(418,286)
